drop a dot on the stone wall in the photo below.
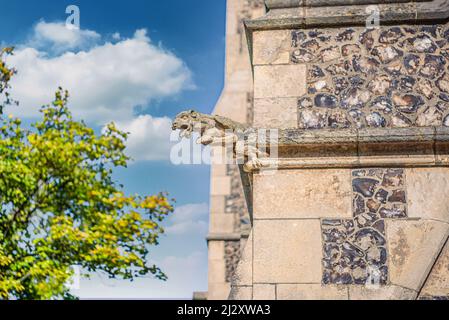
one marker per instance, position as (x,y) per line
(356,77)
(229,219)
(350,213)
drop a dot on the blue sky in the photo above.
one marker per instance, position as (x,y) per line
(137,63)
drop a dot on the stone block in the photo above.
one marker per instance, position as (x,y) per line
(390,292)
(220,186)
(276,81)
(437,284)
(281,113)
(324,193)
(243,275)
(215,250)
(217,271)
(221,223)
(271,47)
(413,247)
(287,251)
(241,293)
(217,204)
(428,190)
(311,292)
(264,292)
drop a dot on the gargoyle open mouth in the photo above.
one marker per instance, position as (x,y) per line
(185,129)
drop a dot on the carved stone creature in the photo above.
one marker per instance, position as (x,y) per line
(218,130)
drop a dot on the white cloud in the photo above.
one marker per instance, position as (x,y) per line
(189,219)
(149,137)
(106,82)
(57,37)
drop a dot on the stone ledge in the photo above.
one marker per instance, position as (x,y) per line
(290,14)
(415,135)
(223,237)
(347,148)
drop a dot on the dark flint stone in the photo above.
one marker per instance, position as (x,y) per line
(433,66)
(375,237)
(310,45)
(441,43)
(379,225)
(376,172)
(359,173)
(444,97)
(393,178)
(386,54)
(365,219)
(367,39)
(422,43)
(376,256)
(297,37)
(432,30)
(446,121)
(338,120)
(356,81)
(364,186)
(394,212)
(382,103)
(375,120)
(316,72)
(334,235)
(345,278)
(331,222)
(408,103)
(365,65)
(349,226)
(326,277)
(406,84)
(411,63)
(326,101)
(359,205)
(397,196)
(382,195)
(340,84)
(305,102)
(372,205)
(391,35)
(340,68)
(442,106)
(410,30)
(301,56)
(352,251)
(314,33)
(346,35)
(331,251)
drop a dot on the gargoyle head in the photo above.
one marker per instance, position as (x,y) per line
(185,121)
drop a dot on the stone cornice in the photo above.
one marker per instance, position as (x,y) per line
(401,147)
(291,14)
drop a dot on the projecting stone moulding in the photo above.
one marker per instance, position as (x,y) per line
(308,13)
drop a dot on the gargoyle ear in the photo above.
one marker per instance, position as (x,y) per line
(193,113)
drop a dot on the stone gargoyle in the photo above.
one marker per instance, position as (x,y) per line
(220,131)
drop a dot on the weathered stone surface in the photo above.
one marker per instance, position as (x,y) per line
(427,189)
(271,47)
(243,275)
(296,194)
(276,81)
(390,292)
(311,292)
(437,284)
(288,255)
(413,247)
(264,292)
(279,113)
(241,293)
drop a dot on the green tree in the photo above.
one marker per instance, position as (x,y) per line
(61,207)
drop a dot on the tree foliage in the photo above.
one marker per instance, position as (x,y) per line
(60,205)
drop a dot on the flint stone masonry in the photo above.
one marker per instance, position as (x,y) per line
(357,206)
